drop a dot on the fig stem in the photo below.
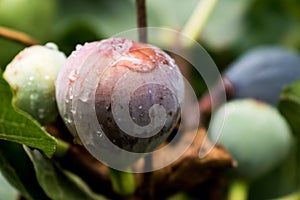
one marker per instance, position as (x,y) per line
(142,20)
(238,190)
(62,148)
(198,19)
(17,36)
(123,182)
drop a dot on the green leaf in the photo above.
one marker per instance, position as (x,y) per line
(17,168)
(17,126)
(289,106)
(7,191)
(58,183)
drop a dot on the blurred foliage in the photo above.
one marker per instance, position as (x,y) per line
(234,27)
(289,106)
(57,183)
(6,189)
(17,168)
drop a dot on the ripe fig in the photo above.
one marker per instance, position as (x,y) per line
(31,75)
(255,134)
(263,72)
(121,93)
(260,73)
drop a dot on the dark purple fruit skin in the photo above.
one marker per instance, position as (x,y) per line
(262,72)
(141,97)
(100,80)
(140,102)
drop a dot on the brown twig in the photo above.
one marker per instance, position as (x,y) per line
(17,36)
(141,19)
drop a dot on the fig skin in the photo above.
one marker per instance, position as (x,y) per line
(31,75)
(117,76)
(262,73)
(255,134)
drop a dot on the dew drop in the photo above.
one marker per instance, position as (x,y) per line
(108,108)
(73,111)
(67,120)
(85,96)
(145,68)
(140,107)
(51,45)
(78,47)
(73,75)
(71,95)
(99,133)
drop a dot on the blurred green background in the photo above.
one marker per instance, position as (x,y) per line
(233,27)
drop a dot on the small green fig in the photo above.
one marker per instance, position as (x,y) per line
(31,75)
(256,135)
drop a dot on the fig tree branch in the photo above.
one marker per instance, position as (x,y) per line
(141,20)
(17,36)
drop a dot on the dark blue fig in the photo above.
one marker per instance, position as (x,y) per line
(262,73)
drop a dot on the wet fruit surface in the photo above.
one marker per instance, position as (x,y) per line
(31,75)
(129,92)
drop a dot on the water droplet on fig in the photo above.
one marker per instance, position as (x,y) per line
(71,93)
(67,120)
(99,133)
(108,108)
(85,96)
(78,47)
(73,111)
(51,45)
(73,75)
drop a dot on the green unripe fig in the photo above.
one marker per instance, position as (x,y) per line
(31,75)
(256,135)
